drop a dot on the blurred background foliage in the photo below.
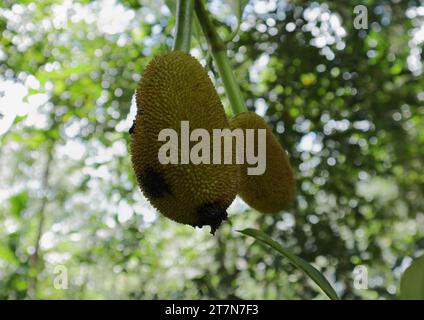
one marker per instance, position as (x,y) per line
(347,104)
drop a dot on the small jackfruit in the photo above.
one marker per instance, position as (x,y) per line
(274,190)
(174,88)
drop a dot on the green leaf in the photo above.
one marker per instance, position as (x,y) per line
(412,281)
(298,262)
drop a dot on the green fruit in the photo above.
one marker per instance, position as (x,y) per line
(274,190)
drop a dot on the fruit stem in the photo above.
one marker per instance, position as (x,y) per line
(184,20)
(218,51)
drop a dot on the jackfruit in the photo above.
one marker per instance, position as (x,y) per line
(274,190)
(174,88)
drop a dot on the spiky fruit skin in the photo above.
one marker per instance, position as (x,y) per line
(274,190)
(173,88)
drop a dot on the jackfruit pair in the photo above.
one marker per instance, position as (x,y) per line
(175,88)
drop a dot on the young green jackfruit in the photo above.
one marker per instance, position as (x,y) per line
(274,190)
(174,88)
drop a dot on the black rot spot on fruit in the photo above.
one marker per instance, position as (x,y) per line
(153,183)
